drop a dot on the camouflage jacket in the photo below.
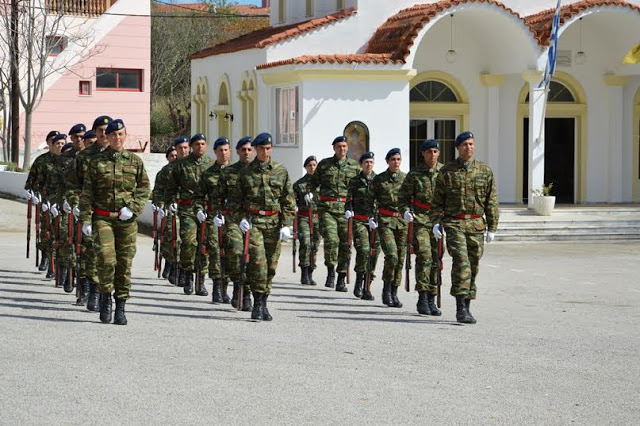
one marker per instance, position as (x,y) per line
(64,165)
(207,194)
(80,169)
(417,191)
(332,180)
(467,190)
(359,188)
(160,185)
(48,187)
(230,199)
(266,187)
(114,179)
(301,188)
(383,194)
(184,178)
(37,173)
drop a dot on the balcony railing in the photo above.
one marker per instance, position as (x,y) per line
(79,7)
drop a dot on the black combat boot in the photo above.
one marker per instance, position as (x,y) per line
(432,305)
(331,277)
(201,288)
(234,295)
(311,280)
(50,273)
(120,318)
(304,275)
(105,307)
(462,315)
(395,302)
(258,307)
(44,262)
(423,305)
(65,279)
(83,286)
(225,296)
(467,303)
(94,296)
(246,301)
(266,316)
(386,293)
(166,272)
(357,288)
(216,291)
(174,275)
(187,276)
(341,285)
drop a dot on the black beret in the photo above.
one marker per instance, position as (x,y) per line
(89,134)
(66,147)
(197,137)
(310,159)
(243,141)
(77,129)
(220,141)
(339,139)
(262,139)
(428,144)
(180,139)
(463,137)
(59,136)
(100,121)
(366,156)
(52,134)
(392,152)
(114,126)
(170,149)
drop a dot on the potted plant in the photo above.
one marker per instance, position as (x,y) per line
(543,201)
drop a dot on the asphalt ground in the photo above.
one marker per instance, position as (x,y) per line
(556,342)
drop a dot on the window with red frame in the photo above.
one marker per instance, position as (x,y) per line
(85,88)
(55,45)
(125,80)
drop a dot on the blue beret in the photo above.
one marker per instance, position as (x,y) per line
(52,134)
(77,129)
(428,144)
(366,156)
(170,149)
(89,134)
(220,141)
(114,126)
(59,136)
(197,137)
(66,147)
(243,141)
(463,137)
(101,121)
(339,139)
(180,139)
(262,139)
(392,152)
(310,159)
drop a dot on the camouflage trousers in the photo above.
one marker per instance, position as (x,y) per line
(393,241)
(189,230)
(64,254)
(425,248)
(264,253)
(362,243)
(44,237)
(213,251)
(115,246)
(170,255)
(88,266)
(334,229)
(304,237)
(466,249)
(234,245)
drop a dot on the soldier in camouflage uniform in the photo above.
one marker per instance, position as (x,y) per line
(115,192)
(206,200)
(392,229)
(157,199)
(416,196)
(232,209)
(89,138)
(331,180)
(466,196)
(183,181)
(306,202)
(269,206)
(358,210)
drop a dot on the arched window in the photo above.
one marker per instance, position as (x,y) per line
(432,91)
(558,92)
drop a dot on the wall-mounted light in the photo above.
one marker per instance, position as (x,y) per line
(451,54)
(212,115)
(228,117)
(581,57)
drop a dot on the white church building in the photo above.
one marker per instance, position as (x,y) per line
(392,73)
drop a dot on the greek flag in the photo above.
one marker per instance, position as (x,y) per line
(550,69)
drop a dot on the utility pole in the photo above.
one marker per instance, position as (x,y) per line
(15,85)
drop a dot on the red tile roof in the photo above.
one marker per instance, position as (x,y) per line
(358,58)
(540,23)
(266,36)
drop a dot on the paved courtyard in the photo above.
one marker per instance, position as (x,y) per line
(557,342)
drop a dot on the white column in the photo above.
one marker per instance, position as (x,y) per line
(537,107)
(616,84)
(493,82)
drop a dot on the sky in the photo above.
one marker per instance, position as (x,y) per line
(256,2)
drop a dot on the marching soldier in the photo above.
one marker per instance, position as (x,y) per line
(306,202)
(466,198)
(89,138)
(269,206)
(392,229)
(232,212)
(115,192)
(358,210)
(416,196)
(157,199)
(332,181)
(183,181)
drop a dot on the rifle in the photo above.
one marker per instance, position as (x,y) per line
(48,234)
(243,268)
(440,267)
(296,234)
(154,235)
(202,252)
(174,245)
(163,225)
(223,257)
(407,260)
(37,221)
(72,271)
(78,251)
(370,261)
(56,247)
(349,243)
(312,244)
(29,206)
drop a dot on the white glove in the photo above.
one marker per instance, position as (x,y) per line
(173,207)
(45,206)
(86,229)
(308,198)
(201,216)
(125,214)
(372,223)
(408,216)
(244,225)
(437,231)
(285,233)
(54,210)
(66,207)
(36,199)
(490,236)
(76,212)
(219,221)
(154,207)
(28,194)
(160,213)
(348,214)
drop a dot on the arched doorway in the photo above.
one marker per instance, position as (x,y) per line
(439,110)
(223,112)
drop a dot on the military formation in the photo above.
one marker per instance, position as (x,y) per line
(225,223)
